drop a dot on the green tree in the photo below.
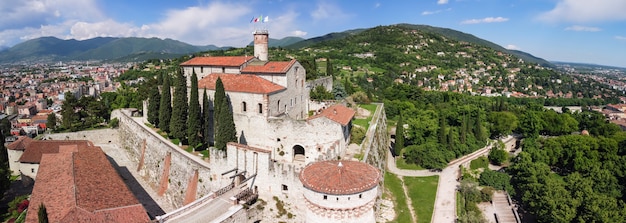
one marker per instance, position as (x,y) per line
(5,126)
(165,107)
(497,180)
(498,156)
(502,123)
(42,214)
(194,122)
(399,145)
(218,97)
(5,171)
(153,106)
(207,124)
(68,112)
(329,68)
(51,121)
(226,131)
(180,108)
(426,155)
(320,93)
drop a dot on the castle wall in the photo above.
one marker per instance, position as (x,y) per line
(341,201)
(134,138)
(327,82)
(14,156)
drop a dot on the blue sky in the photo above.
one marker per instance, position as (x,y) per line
(557,30)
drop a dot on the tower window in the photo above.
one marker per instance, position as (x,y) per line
(285,188)
(325,197)
(223,70)
(244,106)
(360,195)
(260,108)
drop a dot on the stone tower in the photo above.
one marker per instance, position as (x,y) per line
(261,38)
(340,191)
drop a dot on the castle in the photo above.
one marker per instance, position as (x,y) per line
(270,104)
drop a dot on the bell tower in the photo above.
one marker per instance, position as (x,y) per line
(261,38)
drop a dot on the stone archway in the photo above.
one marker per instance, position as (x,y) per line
(298,153)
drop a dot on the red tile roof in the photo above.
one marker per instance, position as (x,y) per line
(279,67)
(226,61)
(338,113)
(80,185)
(340,177)
(34,149)
(20,144)
(240,83)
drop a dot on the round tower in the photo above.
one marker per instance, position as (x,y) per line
(340,191)
(261,38)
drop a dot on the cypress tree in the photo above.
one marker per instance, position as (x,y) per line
(329,67)
(5,171)
(179,108)
(154,102)
(165,107)
(226,132)
(218,97)
(224,124)
(399,136)
(194,122)
(479,132)
(42,214)
(67,111)
(207,124)
(442,130)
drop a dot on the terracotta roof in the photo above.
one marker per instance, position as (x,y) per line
(80,185)
(338,113)
(226,61)
(280,67)
(340,177)
(20,144)
(240,83)
(33,149)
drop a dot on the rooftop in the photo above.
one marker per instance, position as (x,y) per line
(340,177)
(226,61)
(78,184)
(34,149)
(338,113)
(278,67)
(240,83)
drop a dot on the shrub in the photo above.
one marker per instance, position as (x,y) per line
(357,135)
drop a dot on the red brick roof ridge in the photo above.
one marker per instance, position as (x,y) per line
(228,61)
(279,67)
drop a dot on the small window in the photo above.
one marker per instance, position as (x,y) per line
(319,149)
(260,108)
(32,170)
(223,70)
(360,195)
(337,198)
(201,69)
(244,106)
(277,139)
(325,197)
(285,188)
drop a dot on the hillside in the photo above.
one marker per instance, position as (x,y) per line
(50,49)
(375,58)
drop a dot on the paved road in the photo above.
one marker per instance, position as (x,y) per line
(445,200)
(209,210)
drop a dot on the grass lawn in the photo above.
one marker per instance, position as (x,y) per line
(402,164)
(422,191)
(365,123)
(394,185)
(481,162)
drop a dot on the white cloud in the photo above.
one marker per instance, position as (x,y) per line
(485,20)
(219,23)
(586,11)
(299,33)
(512,47)
(622,38)
(583,28)
(442,2)
(327,11)
(33,14)
(435,12)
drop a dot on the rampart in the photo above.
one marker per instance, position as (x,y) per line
(376,141)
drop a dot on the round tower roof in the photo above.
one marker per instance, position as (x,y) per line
(340,177)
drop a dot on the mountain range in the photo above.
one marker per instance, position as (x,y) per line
(51,49)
